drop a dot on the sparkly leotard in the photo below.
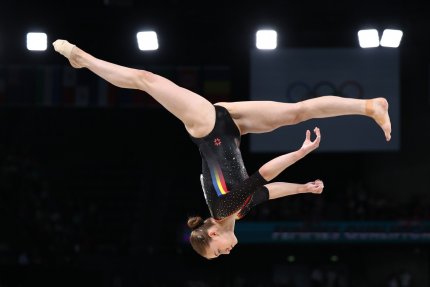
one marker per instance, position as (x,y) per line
(226,185)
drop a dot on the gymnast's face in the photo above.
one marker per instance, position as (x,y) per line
(221,243)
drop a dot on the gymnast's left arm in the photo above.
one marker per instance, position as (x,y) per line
(281,189)
(273,168)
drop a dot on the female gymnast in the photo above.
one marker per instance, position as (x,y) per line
(217,128)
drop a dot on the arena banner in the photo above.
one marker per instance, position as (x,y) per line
(334,232)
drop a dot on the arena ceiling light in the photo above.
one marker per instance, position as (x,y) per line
(147,40)
(37,41)
(368,38)
(266,39)
(391,38)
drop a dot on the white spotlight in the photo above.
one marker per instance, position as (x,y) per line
(391,38)
(147,40)
(266,39)
(37,41)
(368,38)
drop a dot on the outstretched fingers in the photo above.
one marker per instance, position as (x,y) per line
(318,135)
(308,135)
(308,144)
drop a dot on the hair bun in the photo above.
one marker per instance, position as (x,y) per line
(195,222)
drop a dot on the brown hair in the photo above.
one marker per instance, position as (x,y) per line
(199,237)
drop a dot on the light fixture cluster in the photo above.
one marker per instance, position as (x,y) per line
(369,38)
(265,39)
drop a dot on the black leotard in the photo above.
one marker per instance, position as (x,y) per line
(226,185)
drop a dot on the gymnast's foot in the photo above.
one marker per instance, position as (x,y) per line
(378,109)
(68,50)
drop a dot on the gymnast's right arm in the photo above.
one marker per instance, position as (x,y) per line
(273,168)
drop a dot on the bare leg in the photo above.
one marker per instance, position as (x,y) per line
(197,113)
(264,116)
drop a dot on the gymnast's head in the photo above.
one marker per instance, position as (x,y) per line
(209,239)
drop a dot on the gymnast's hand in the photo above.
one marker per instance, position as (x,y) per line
(309,145)
(316,186)
(274,167)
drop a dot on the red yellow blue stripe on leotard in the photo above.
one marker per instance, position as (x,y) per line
(217,176)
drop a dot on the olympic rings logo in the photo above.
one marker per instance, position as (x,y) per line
(299,91)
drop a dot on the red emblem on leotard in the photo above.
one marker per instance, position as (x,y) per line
(217,142)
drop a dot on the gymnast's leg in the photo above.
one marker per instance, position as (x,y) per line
(197,113)
(264,116)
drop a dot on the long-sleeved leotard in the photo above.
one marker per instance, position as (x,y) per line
(226,185)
